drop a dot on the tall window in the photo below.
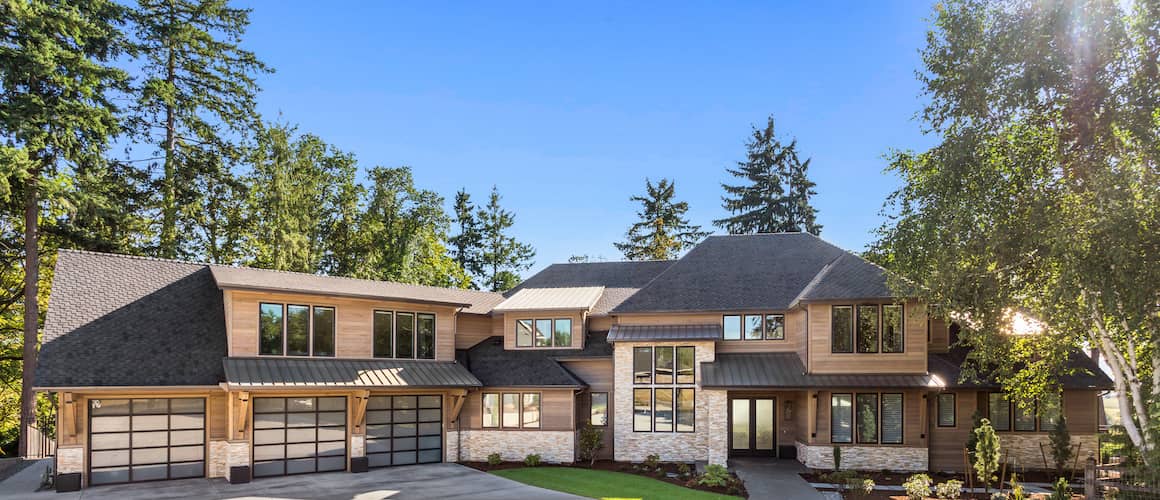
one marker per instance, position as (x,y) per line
(531,410)
(544,332)
(642,365)
(774,327)
(841,418)
(892,329)
(946,409)
(663,408)
(754,327)
(892,418)
(598,409)
(867,417)
(1024,416)
(999,411)
(641,410)
(731,326)
(405,335)
(686,415)
(867,328)
(686,359)
(511,410)
(295,330)
(842,329)
(490,410)
(1050,411)
(664,365)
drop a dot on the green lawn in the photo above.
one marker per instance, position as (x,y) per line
(603,484)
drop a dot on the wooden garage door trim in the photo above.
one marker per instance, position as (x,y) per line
(131,414)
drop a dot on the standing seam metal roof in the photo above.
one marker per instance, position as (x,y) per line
(640,333)
(785,370)
(315,372)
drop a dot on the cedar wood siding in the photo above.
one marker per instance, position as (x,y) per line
(354,322)
(597,373)
(471,329)
(912,360)
(556,409)
(1080,407)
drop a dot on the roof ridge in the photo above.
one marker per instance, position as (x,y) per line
(816,279)
(134,257)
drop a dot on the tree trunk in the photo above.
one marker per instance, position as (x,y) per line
(31,305)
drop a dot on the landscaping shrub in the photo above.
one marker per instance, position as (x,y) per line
(1016,489)
(840,478)
(494,459)
(837,458)
(715,476)
(950,490)
(860,486)
(652,461)
(1061,490)
(591,442)
(976,422)
(1061,450)
(532,460)
(917,486)
(986,454)
(683,469)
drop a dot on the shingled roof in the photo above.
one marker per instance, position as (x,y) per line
(116,320)
(758,271)
(496,367)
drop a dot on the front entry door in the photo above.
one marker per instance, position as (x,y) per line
(752,427)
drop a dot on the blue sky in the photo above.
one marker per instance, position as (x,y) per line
(568,107)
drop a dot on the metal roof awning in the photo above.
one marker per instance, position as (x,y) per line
(280,373)
(643,333)
(785,370)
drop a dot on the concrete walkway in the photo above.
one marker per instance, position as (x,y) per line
(773,478)
(451,481)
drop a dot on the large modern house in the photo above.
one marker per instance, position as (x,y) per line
(777,345)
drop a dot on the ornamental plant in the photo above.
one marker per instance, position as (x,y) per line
(986,454)
(917,486)
(950,490)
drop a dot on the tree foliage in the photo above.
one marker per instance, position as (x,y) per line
(987,453)
(663,231)
(775,194)
(1042,198)
(467,243)
(502,257)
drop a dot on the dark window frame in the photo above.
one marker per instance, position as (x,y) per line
(539,410)
(742,319)
(592,405)
(483,410)
(901,417)
(651,411)
(765,322)
(1036,413)
(877,418)
(853,402)
(677,365)
(672,408)
(954,410)
(533,323)
(740,327)
(434,334)
(310,308)
(677,412)
(902,329)
(314,331)
(877,347)
(851,335)
(519,410)
(656,364)
(651,367)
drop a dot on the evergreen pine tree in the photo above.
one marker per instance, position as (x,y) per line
(775,194)
(54,113)
(663,232)
(467,244)
(196,99)
(502,257)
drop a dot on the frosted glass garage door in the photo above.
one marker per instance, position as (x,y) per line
(299,435)
(404,430)
(132,440)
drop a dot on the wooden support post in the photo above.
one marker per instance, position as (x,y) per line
(359,412)
(239,414)
(1089,478)
(812,415)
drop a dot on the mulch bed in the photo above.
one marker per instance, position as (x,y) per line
(886,478)
(738,488)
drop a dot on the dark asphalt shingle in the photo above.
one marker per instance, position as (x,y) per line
(757,271)
(496,367)
(1083,372)
(640,333)
(785,370)
(619,279)
(116,320)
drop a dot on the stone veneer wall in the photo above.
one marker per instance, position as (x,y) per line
(1022,450)
(709,440)
(216,462)
(70,459)
(894,458)
(358,445)
(552,446)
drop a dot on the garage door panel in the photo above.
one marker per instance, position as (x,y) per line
(299,435)
(275,421)
(162,444)
(430,456)
(378,445)
(331,463)
(275,468)
(404,430)
(331,433)
(332,418)
(301,420)
(272,452)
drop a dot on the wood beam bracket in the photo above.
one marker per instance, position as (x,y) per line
(456,407)
(359,411)
(241,413)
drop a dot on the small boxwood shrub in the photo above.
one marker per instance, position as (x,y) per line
(532,460)
(652,461)
(715,476)
(494,459)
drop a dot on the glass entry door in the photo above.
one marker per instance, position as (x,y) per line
(752,429)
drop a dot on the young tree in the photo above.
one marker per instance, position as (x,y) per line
(663,231)
(198,89)
(467,244)
(986,454)
(1061,450)
(54,113)
(775,195)
(502,257)
(1043,194)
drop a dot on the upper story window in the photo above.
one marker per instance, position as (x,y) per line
(407,335)
(867,328)
(753,326)
(295,330)
(544,332)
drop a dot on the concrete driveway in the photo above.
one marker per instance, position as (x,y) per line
(408,482)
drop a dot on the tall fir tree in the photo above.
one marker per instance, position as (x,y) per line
(775,194)
(467,243)
(502,257)
(196,99)
(55,114)
(663,231)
